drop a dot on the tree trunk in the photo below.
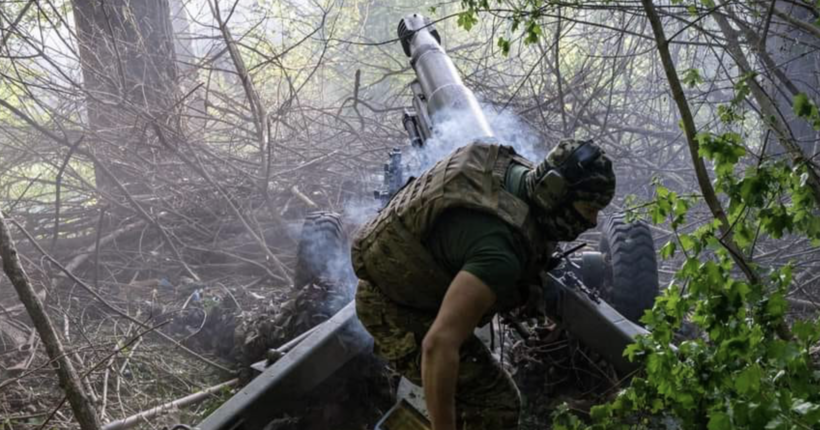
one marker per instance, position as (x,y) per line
(688,122)
(129,72)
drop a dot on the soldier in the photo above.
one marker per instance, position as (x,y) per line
(460,243)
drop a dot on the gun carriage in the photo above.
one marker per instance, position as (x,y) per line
(578,290)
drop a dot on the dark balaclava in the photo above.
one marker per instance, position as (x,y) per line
(581,172)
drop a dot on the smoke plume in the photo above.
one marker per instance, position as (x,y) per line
(450,134)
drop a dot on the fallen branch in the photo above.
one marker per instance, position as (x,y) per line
(305,164)
(104,360)
(113,308)
(84,254)
(179,403)
(200,169)
(305,199)
(83,409)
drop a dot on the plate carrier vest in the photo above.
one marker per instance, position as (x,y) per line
(388,251)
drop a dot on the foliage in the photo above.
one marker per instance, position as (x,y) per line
(527,15)
(692,78)
(805,108)
(738,373)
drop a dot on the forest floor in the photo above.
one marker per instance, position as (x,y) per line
(232,322)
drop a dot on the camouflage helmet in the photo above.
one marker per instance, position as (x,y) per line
(575,170)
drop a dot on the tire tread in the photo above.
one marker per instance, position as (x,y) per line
(634,267)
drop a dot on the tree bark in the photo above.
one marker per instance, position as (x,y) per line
(705,184)
(805,26)
(771,116)
(84,410)
(791,47)
(130,77)
(690,131)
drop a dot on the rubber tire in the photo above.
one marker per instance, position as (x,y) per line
(322,242)
(632,276)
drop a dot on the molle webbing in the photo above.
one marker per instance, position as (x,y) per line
(389,252)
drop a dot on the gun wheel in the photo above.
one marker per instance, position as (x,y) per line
(323,252)
(631,283)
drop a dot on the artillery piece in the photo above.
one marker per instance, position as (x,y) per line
(623,271)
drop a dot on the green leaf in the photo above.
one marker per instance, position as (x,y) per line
(693,10)
(728,114)
(775,220)
(467,19)
(690,267)
(807,331)
(753,189)
(600,413)
(504,44)
(668,250)
(742,89)
(804,108)
(801,105)
(680,207)
(743,234)
(719,421)
(564,419)
(777,423)
(686,400)
(657,405)
(781,353)
(748,381)
(687,242)
(633,351)
(533,31)
(692,77)
(776,306)
(708,3)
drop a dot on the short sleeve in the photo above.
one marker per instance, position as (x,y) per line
(481,244)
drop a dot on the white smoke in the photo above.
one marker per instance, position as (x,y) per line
(330,257)
(358,211)
(450,134)
(513,131)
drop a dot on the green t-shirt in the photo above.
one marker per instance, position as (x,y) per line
(482,244)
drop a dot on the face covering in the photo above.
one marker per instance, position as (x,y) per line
(565,223)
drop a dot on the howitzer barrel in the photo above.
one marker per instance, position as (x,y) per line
(445,96)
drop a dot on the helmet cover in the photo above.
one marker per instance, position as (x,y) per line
(573,171)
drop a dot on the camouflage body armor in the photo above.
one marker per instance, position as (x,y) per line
(388,251)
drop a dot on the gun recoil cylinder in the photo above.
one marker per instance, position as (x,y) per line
(444,95)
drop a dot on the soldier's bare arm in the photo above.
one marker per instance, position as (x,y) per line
(466,301)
